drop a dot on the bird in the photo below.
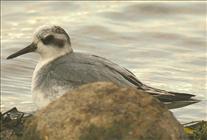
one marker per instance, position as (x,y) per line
(61,69)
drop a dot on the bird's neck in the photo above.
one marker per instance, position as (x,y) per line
(45,59)
(52,54)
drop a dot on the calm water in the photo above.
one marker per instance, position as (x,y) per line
(164,44)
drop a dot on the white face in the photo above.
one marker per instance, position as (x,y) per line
(49,42)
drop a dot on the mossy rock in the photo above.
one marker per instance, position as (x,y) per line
(104,111)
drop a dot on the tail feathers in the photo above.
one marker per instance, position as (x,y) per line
(173,96)
(171,99)
(179,104)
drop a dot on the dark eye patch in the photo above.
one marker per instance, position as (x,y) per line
(51,40)
(58,42)
(48,39)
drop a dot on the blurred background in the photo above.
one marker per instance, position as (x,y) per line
(162,43)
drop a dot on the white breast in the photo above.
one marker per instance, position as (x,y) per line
(37,94)
(52,54)
(41,98)
(39,65)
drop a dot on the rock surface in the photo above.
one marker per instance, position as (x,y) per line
(103,111)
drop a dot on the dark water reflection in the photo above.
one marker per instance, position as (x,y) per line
(164,44)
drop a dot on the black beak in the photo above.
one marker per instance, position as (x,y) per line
(31,48)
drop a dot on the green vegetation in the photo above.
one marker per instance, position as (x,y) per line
(196,130)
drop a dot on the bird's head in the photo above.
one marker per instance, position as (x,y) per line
(49,41)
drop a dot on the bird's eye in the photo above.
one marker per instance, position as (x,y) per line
(47,39)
